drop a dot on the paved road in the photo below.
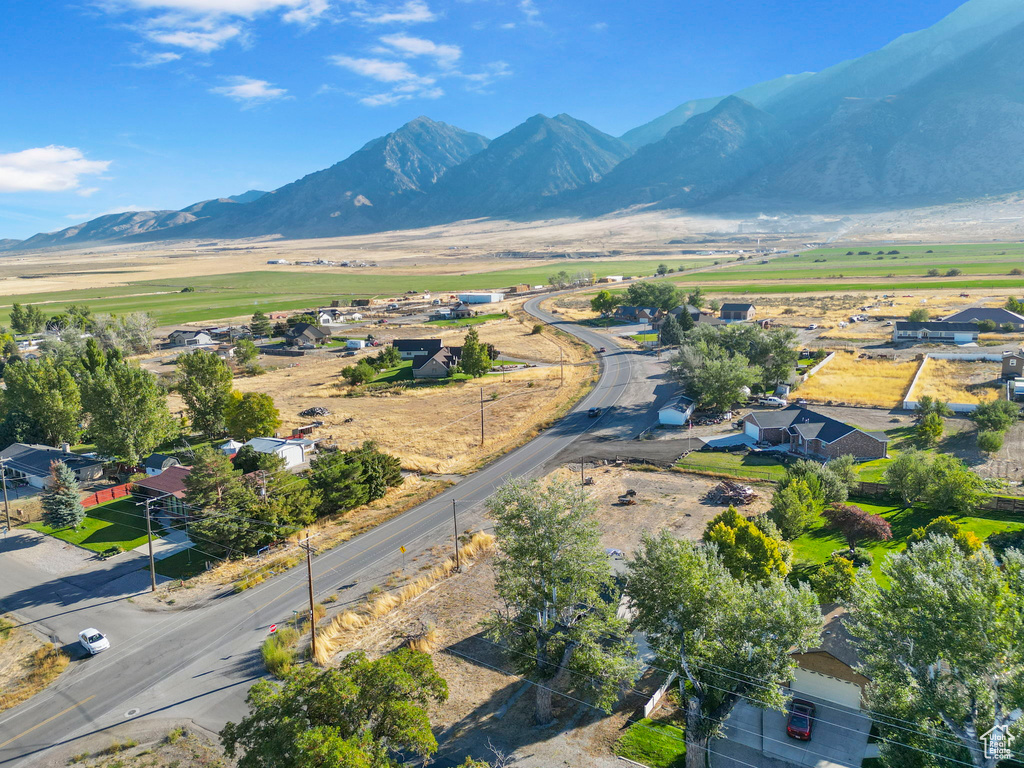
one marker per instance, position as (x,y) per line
(198,664)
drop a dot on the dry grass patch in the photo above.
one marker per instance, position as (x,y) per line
(847,379)
(27,665)
(959,381)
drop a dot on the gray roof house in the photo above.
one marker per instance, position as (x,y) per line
(186,338)
(158,462)
(736,311)
(31,463)
(997,315)
(410,348)
(935,330)
(807,433)
(439,365)
(302,334)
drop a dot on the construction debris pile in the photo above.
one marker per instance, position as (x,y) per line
(729,492)
(317,410)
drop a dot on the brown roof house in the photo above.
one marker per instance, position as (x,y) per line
(304,334)
(167,489)
(439,365)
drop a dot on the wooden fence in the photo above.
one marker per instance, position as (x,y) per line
(107,494)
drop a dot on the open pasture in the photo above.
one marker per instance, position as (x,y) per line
(848,379)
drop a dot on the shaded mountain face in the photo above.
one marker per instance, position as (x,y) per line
(520,170)
(706,157)
(362,193)
(7,243)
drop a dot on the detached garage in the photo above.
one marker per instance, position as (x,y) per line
(828,672)
(676,412)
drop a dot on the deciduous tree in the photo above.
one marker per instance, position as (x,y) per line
(834,579)
(252,414)
(746,551)
(661,294)
(560,602)
(205,386)
(359,714)
(728,639)
(907,475)
(855,524)
(952,486)
(941,645)
(127,409)
(47,397)
(604,302)
(996,415)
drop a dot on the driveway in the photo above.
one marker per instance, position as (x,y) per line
(838,740)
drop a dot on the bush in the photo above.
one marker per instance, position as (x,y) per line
(986,326)
(537,329)
(1000,542)
(954,272)
(862,558)
(278,652)
(1017,271)
(990,441)
(833,581)
(933,273)
(996,415)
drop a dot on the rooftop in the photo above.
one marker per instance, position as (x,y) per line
(998,315)
(935,325)
(808,423)
(36,459)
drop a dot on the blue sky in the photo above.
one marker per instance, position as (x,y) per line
(113,105)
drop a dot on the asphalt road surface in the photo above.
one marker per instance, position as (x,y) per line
(198,664)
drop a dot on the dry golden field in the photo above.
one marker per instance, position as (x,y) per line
(847,379)
(956,381)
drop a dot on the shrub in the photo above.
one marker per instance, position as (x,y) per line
(933,273)
(1007,328)
(537,329)
(919,315)
(986,326)
(990,441)
(1017,271)
(996,415)
(862,558)
(930,429)
(954,272)
(1000,542)
(833,581)
(946,526)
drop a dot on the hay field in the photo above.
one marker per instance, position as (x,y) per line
(957,381)
(847,379)
(434,429)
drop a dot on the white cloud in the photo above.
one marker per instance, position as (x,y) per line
(46,169)
(250,91)
(200,40)
(245,8)
(412,12)
(531,12)
(381,70)
(509,25)
(151,59)
(600,26)
(400,94)
(404,45)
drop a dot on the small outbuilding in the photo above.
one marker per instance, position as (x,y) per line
(481,298)
(159,462)
(676,412)
(736,312)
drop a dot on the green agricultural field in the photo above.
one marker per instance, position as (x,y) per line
(236,295)
(118,523)
(815,546)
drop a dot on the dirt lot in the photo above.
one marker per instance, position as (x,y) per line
(848,379)
(956,381)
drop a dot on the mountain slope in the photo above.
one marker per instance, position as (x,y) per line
(758,94)
(535,161)
(698,161)
(364,192)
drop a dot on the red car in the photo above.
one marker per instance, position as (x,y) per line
(800,720)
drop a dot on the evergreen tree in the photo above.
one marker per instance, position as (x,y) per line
(260,324)
(62,507)
(671,333)
(475,360)
(685,321)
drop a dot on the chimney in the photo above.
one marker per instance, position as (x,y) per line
(65,447)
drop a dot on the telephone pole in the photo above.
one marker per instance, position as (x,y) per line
(561,370)
(455,522)
(3,479)
(149,538)
(481,416)
(309,576)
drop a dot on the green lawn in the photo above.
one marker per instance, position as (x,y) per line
(183,565)
(655,743)
(466,320)
(815,546)
(402,373)
(117,523)
(736,464)
(640,338)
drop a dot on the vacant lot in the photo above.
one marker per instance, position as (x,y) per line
(956,381)
(27,665)
(848,379)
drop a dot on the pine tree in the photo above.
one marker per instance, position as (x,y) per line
(671,333)
(686,321)
(259,325)
(62,507)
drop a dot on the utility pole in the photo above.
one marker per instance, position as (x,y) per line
(3,479)
(561,370)
(583,480)
(455,521)
(312,616)
(149,537)
(481,416)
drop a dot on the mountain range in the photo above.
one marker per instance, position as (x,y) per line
(934,116)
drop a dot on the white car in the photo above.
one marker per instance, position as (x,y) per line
(812,327)
(93,640)
(776,401)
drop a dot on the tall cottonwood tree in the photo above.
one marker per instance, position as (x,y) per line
(560,602)
(127,409)
(205,386)
(728,639)
(942,644)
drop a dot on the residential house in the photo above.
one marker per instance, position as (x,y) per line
(304,334)
(461,311)
(441,313)
(696,315)
(676,412)
(935,330)
(31,464)
(167,488)
(997,315)
(807,433)
(159,462)
(736,312)
(186,338)
(410,348)
(637,314)
(1013,364)
(292,451)
(439,365)
(829,671)
(329,316)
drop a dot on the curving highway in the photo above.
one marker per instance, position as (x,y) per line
(198,664)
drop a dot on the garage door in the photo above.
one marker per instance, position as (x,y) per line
(825,687)
(751,429)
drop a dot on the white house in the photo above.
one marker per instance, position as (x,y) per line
(676,412)
(184,338)
(481,298)
(158,462)
(291,451)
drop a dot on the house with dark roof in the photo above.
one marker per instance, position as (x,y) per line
(186,338)
(158,462)
(637,314)
(439,365)
(698,317)
(31,464)
(410,348)
(935,330)
(736,312)
(807,433)
(997,315)
(304,334)
(167,488)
